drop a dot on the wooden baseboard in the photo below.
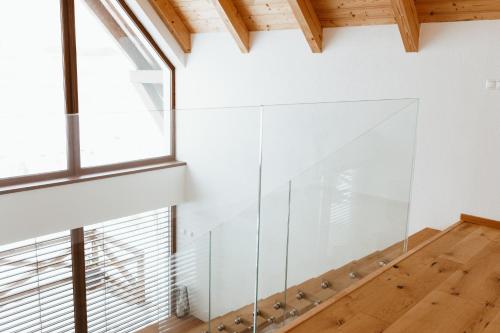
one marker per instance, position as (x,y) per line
(480,221)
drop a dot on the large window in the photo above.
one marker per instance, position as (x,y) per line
(98,99)
(114,276)
(127,271)
(32,125)
(36,289)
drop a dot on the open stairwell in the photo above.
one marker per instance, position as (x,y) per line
(306,296)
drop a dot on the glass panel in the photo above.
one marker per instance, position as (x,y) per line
(333,196)
(115,137)
(350,168)
(225,203)
(124,88)
(191,288)
(32,126)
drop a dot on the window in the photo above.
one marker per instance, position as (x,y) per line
(98,100)
(127,276)
(128,272)
(36,289)
(31,89)
(123,88)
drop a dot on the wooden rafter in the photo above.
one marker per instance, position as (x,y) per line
(173,22)
(406,16)
(234,22)
(309,23)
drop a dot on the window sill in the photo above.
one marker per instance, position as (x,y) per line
(90,177)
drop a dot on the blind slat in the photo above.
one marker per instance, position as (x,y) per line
(36,285)
(128,272)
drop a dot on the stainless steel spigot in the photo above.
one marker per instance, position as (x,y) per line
(277,305)
(293,312)
(238,320)
(221,327)
(353,275)
(300,295)
(271,319)
(383,262)
(325,284)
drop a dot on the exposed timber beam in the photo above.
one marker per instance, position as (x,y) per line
(173,22)
(309,23)
(234,22)
(405,13)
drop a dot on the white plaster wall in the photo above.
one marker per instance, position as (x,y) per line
(29,214)
(458,135)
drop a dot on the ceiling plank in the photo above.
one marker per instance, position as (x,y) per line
(174,23)
(405,14)
(309,23)
(234,22)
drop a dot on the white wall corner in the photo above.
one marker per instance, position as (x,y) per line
(150,19)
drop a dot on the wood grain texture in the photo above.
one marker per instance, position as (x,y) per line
(480,221)
(259,15)
(452,284)
(459,10)
(234,23)
(173,22)
(406,16)
(309,23)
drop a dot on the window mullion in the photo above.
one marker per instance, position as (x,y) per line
(71,85)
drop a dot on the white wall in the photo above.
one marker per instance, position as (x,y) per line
(458,138)
(457,163)
(29,214)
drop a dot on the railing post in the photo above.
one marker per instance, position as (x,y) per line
(79,289)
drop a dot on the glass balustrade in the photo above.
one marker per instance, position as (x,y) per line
(301,201)
(285,206)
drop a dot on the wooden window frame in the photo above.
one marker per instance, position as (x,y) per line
(74,171)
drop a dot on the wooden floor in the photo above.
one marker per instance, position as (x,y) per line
(449,284)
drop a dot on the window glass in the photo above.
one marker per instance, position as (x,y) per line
(124,88)
(127,273)
(32,123)
(36,289)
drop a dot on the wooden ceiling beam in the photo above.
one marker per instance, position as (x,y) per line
(309,23)
(173,22)
(406,16)
(232,19)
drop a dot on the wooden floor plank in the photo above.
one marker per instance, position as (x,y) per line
(493,326)
(438,312)
(363,323)
(479,279)
(451,285)
(468,247)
